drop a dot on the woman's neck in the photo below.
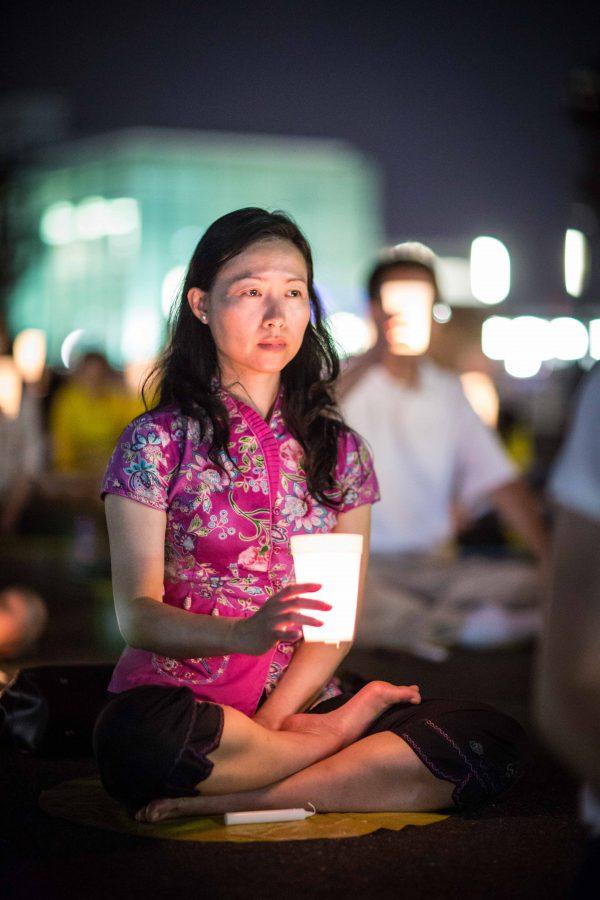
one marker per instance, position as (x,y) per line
(256,389)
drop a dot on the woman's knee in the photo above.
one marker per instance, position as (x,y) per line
(419,789)
(153,741)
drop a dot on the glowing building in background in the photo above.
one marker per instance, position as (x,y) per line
(110,223)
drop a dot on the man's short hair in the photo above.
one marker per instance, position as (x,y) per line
(410,255)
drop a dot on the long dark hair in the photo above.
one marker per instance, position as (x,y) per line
(185,373)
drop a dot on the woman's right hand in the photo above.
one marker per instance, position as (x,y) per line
(280,619)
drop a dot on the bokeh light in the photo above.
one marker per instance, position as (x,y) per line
(490,270)
(576,256)
(29,354)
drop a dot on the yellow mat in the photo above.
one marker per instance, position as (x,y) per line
(85,802)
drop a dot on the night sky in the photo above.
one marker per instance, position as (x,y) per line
(461,104)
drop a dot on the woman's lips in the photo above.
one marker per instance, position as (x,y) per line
(272,345)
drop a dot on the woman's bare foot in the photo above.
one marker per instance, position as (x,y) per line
(179,807)
(347,723)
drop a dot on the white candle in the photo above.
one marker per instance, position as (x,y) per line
(267,815)
(333,561)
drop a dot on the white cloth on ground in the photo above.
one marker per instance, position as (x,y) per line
(423,604)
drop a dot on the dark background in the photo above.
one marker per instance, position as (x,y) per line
(463,105)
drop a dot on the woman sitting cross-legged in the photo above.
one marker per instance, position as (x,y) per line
(213,701)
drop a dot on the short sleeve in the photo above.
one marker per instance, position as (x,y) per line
(356,480)
(575,481)
(145,460)
(482,464)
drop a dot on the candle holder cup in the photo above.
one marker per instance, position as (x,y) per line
(333,561)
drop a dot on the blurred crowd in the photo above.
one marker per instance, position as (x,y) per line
(459,539)
(53,453)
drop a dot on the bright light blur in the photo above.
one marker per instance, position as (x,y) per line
(442,313)
(333,561)
(29,354)
(522,366)
(494,336)
(575,261)
(353,334)
(481,393)
(136,373)
(57,225)
(454,280)
(525,342)
(528,345)
(595,338)
(123,216)
(92,218)
(490,270)
(171,285)
(68,346)
(409,305)
(141,335)
(11,387)
(530,335)
(568,338)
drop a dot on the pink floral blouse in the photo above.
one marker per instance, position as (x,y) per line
(227,544)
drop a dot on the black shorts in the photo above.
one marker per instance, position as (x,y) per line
(479,749)
(153,741)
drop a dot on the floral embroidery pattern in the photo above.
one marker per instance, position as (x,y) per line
(227,536)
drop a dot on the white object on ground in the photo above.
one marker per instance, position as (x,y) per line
(268,815)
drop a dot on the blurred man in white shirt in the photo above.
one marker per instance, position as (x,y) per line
(432,453)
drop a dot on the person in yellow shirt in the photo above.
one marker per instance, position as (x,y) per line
(86,417)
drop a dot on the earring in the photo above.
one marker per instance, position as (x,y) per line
(203,317)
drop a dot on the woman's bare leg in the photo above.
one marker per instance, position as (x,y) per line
(379,773)
(251,756)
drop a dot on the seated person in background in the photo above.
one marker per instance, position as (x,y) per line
(23,613)
(86,416)
(23,617)
(21,459)
(432,453)
(567,703)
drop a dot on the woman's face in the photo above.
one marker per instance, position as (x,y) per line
(257,308)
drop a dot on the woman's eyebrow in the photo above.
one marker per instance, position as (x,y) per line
(245,276)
